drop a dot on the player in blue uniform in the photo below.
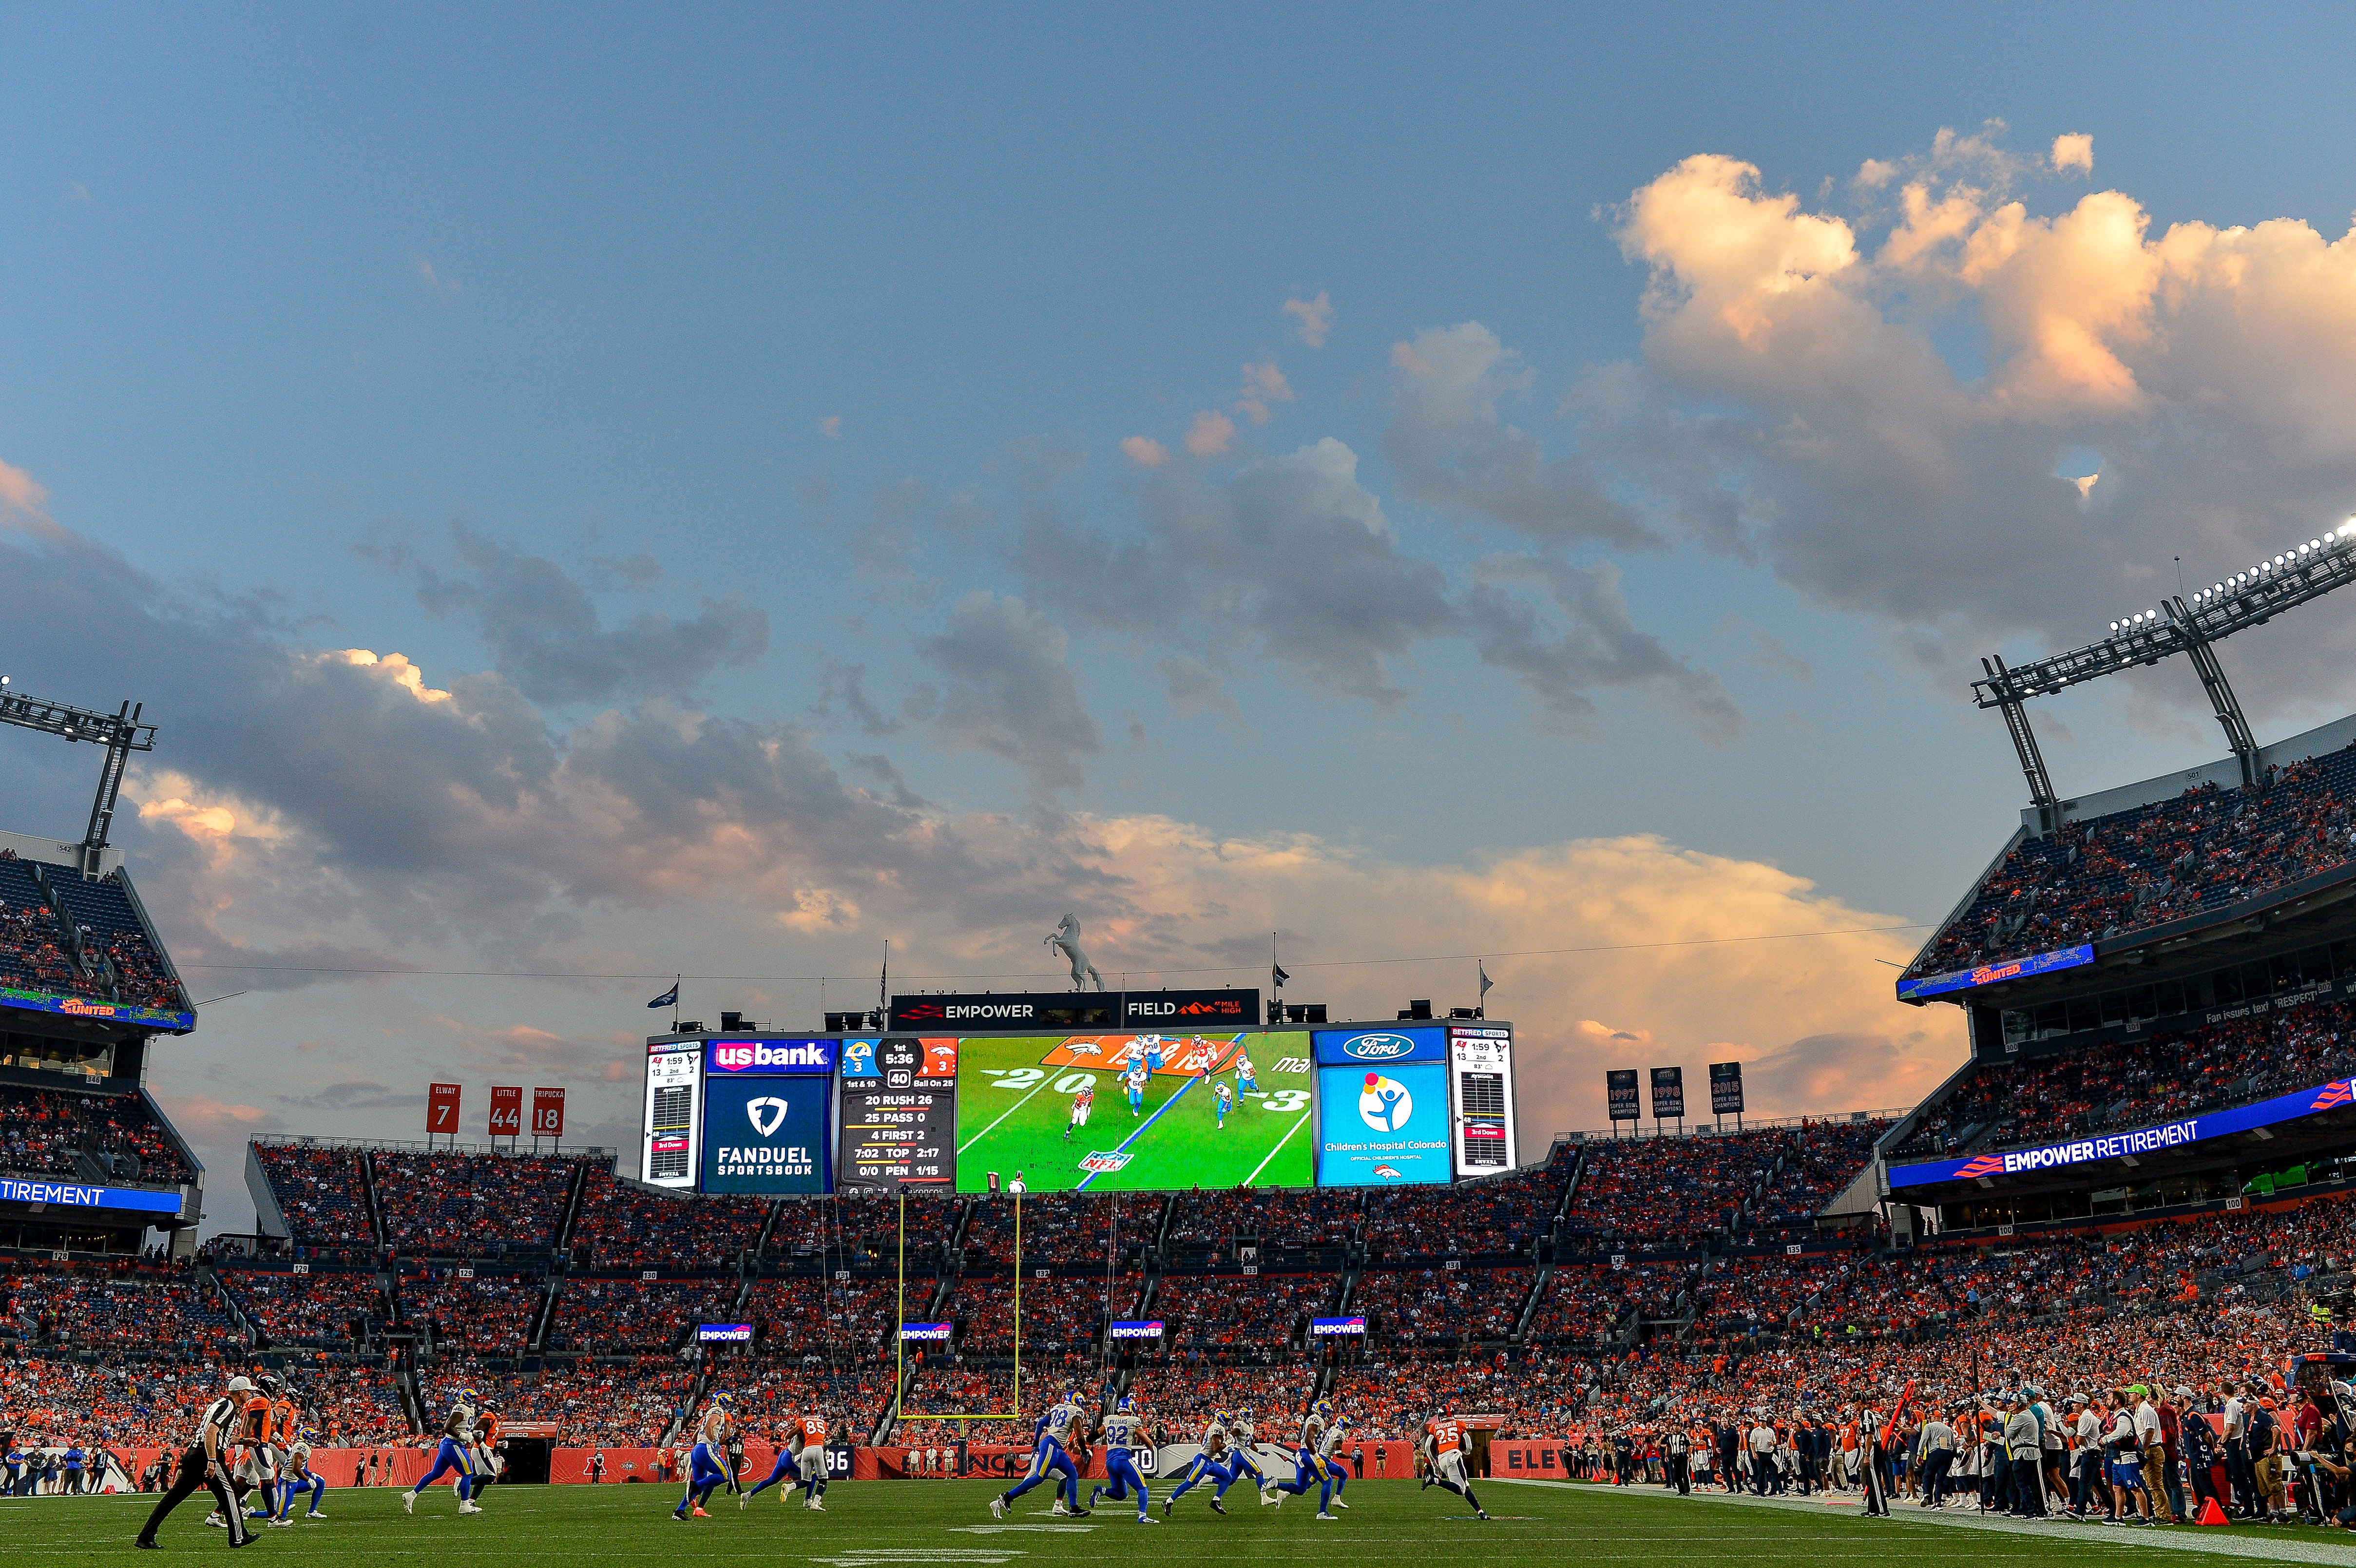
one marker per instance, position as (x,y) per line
(1134,1081)
(1210,1465)
(297,1478)
(1247,1078)
(1122,1431)
(1309,1464)
(1240,1463)
(1154,1053)
(707,1464)
(1050,1456)
(456,1453)
(1222,1099)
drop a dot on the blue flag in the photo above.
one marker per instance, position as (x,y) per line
(668,999)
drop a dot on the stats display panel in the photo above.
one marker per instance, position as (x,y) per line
(673,1113)
(1481,1071)
(898,1098)
(1135,1112)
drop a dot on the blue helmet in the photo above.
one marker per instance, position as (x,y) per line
(724,1399)
(1125,1405)
(468,1396)
(1244,1413)
(1322,1410)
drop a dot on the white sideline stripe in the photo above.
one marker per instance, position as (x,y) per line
(1002,1115)
(2330,1545)
(1273,1153)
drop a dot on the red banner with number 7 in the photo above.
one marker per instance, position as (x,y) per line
(442,1108)
(546,1112)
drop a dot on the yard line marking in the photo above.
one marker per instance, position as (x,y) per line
(1002,1115)
(1280,1144)
(1141,1126)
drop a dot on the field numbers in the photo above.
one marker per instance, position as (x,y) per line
(1073,1082)
(1285,1100)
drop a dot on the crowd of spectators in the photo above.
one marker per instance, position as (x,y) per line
(862,1230)
(97,949)
(1817,1162)
(2135,1082)
(1434,1307)
(1061,1315)
(629,1227)
(1501,1216)
(1211,1225)
(471,1205)
(776,1392)
(488,1315)
(119,1311)
(42,1129)
(1670,1189)
(627,1317)
(317,1309)
(837,1320)
(1227,1313)
(321,1193)
(2204,849)
(1585,1300)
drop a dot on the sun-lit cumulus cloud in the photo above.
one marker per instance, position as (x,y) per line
(1803,359)
(434,280)
(1312,319)
(1211,434)
(1144,451)
(1263,384)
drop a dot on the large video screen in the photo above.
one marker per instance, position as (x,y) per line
(765,1115)
(1383,1107)
(1135,1112)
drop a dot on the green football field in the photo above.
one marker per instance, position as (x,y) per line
(902,1524)
(1013,1103)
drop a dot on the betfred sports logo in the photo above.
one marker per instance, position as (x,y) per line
(1105,1161)
(772,1056)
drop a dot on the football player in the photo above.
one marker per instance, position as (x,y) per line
(297,1478)
(1442,1451)
(1122,1431)
(1210,1465)
(455,1454)
(1240,1434)
(1309,1463)
(1082,1104)
(1050,1456)
(705,1469)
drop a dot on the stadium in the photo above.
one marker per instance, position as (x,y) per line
(924,1230)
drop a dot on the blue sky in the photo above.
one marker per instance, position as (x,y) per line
(768,371)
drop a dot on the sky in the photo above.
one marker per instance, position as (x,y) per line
(589,494)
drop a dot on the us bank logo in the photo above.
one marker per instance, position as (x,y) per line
(1378,1048)
(1383,1104)
(766,1114)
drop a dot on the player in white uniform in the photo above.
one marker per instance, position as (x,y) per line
(1210,1465)
(1328,1449)
(456,1453)
(707,1466)
(1309,1464)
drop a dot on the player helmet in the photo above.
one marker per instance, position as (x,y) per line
(1323,1410)
(1125,1405)
(268,1382)
(1244,1413)
(724,1399)
(1222,1418)
(468,1396)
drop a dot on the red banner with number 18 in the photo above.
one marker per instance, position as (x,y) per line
(546,1112)
(442,1108)
(507,1111)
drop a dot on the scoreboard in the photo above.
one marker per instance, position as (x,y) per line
(1119,1111)
(899,1115)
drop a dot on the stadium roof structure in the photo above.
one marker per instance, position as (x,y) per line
(2191,625)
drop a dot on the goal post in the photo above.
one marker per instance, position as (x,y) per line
(900,1337)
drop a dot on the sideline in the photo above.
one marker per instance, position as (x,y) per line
(2326,1546)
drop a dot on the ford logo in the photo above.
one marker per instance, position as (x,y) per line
(1378,1048)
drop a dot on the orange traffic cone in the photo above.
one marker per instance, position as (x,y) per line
(2210,1513)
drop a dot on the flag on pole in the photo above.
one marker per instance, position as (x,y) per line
(668,999)
(1485,981)
(1277,975)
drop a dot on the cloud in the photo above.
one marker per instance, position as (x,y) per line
(1011,693)
(1263,384)
(544,631)
(1291,551)
(1144,451)
(843,701)
(1193,687)
(1596,647)
(1312,319)
(1211,434)
(2075,151)
(832,427)
(19,491)
(435,281)
(1807,369)
(1450,447)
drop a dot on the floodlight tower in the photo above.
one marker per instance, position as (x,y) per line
(119,733)
(2191,625)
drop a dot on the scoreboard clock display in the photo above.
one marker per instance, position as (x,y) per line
(899,1115)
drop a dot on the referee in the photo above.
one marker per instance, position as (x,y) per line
(1868,1438)
(204,1465)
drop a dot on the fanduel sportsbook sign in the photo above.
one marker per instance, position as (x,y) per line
(2338,1093)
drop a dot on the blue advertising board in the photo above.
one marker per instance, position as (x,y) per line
(1337,1325)
(1337,1047)
(2339,1093)
(1382,1126)
(924,1331)
(1990,973)
(765,1134)
(76,1195)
